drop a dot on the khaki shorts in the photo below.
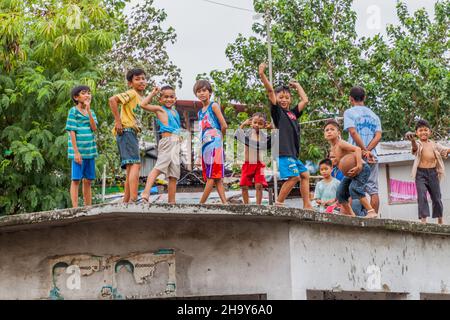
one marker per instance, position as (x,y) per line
(169,156)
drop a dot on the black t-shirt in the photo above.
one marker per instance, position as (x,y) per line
(286,121)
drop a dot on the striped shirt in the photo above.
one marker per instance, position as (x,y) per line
(85,138)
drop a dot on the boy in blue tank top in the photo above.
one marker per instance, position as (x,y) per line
(169,146)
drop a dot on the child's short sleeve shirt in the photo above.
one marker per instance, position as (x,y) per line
(286,121)
(326,191)
(131,110)
(85,138)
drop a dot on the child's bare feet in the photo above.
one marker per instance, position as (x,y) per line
(372,214)
(440,221)
(423,220)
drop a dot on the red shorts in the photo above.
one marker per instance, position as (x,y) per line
(253,171)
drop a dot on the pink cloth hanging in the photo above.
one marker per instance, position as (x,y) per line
(402,191)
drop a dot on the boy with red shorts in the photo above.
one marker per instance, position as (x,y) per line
(255,141)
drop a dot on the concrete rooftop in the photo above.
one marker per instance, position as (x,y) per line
(106,212)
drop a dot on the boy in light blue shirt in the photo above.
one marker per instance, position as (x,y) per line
(325,193)
(364,128)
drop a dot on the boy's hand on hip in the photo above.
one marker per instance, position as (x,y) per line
(78,158)
(119,128)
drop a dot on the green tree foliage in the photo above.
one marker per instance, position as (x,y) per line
(412,69)
(315,43)
(143,45)
(46,48)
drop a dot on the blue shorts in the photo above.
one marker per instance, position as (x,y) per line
(128,145)
(290,167)
(353,187)
(85,170)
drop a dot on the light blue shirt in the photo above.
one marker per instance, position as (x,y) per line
(366,123)
(326,191)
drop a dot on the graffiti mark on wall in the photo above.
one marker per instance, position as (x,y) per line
(135,276)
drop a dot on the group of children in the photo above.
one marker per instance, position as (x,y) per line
(330,193)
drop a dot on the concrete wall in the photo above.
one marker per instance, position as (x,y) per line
(184,251)
(402,171)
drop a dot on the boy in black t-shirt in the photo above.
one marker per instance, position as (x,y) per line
(286,121)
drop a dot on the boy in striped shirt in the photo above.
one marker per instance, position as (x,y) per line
(81,125)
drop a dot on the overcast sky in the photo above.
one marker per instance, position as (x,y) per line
(204,30)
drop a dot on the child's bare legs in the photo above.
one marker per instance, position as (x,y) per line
(150,181)
(126,194)
(245,196)
(286,189)
(375,202)
(134,181)
(221,190)
(172,189)
(441,220)
(259,193)
(208,188)
(304,190)
(346,209)
(87,192)
(371,213)
(74,193)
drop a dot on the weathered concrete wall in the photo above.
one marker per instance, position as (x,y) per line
(142,251)
(402,171)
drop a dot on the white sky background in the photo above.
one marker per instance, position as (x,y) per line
(204,30)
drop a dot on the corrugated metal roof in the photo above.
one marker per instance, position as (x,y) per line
(397,151)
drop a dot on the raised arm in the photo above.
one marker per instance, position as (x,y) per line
(304,98)
(267,85)
(145,103)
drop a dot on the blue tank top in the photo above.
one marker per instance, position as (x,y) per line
(173,124)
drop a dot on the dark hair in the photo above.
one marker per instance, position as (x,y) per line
(358,94)
(259,114)
(422,123)
(76,92)
(168,87)
(282,89)
(200,84)
(327,162)
(333,123)
(134,73)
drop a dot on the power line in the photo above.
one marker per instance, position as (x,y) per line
(228,6)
